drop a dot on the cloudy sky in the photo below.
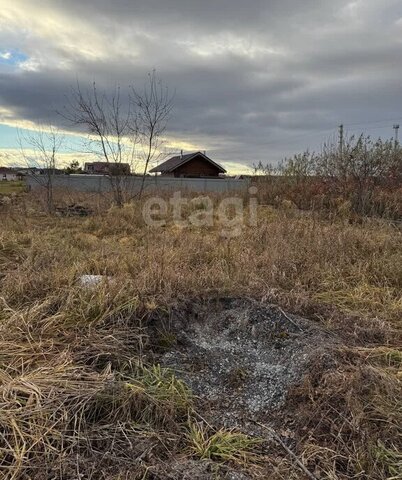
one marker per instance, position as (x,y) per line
(255,80)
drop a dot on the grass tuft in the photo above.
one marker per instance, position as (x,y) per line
(223,445)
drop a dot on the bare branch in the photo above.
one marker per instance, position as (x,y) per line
(153,107)
(39,149)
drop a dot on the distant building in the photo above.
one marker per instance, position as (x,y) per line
(190,165)
(8,174)
(27,170)
(51,171)
(107,168)
(38,171)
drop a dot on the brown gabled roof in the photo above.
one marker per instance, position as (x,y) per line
(170,165)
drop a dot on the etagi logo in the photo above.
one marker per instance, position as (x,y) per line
(231,214)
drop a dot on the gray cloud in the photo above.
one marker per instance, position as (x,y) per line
(254,80)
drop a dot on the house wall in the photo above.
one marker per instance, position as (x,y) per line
(197,167)
(8,176)
(97,167)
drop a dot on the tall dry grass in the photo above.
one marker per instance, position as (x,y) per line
(73,384)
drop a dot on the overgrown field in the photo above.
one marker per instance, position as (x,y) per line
(81,398)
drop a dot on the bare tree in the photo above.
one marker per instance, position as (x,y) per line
(111,129)
(152,107)
(267,169)
(363,172)
(121,128)
(351,169)
(39,149)
(299,167)
(357,167)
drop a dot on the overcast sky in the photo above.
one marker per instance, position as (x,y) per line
(255,80)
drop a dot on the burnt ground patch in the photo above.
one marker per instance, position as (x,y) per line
(240,357)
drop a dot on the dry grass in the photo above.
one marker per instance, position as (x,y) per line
(72,380)
(357,411)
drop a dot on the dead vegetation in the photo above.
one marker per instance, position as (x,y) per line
(81,398)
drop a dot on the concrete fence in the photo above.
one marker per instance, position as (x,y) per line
(155,184)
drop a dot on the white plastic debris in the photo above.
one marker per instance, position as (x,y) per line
(91,281)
